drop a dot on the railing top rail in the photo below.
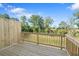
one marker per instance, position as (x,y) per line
(43,33)
(72,39)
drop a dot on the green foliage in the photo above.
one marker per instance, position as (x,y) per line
(47,22)
(23,19)
(74,32)
(62,31)
(76,14)
(63,25)
(74,23)
(75,19)
(5,16)
(24,24)
(37,23)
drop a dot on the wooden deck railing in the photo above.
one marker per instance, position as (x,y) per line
(44,38)
(72,46)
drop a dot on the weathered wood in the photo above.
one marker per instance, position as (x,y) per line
(61,42)
(37,38)
(52,40)
(73,40)
(32,49)
(10,31)
(72,45)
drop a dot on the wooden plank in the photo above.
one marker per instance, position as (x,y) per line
(1,33)
(6,34)
(10,32)
(19,39)
(73,40)
(31,49)
(72,45)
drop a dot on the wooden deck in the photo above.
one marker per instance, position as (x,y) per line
(32,49)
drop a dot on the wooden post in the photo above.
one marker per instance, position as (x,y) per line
(22,37)
(78,51)
(61,41)
(72,52)
(37,38)
(67,44)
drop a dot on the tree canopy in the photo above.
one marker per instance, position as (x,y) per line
(5,16)
(37,22)
(63,25)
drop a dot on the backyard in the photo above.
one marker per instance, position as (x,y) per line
(38,34)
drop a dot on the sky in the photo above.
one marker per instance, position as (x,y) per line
(57,11)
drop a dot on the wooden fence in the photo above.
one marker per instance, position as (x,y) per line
(9,32)
(44,38)
(72,45)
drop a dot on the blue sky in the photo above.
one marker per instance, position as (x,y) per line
(59,12)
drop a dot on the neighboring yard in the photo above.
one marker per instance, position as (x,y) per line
(17,28)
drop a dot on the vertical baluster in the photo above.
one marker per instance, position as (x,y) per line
(57,40)
(78,51)
(47,38)
(72,51)
(37,38)
(61,42)
(53,40)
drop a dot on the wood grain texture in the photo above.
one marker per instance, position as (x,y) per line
(10,31)
(32,49)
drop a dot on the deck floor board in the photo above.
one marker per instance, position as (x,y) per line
(32,49)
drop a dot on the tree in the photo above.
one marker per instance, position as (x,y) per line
(76,19)
(76,14)
(63,25)
(74,23)
(47,22)
(37,23)
(24,24)
(63,28)
(14,19)
(5,16)
(71,23)
(23,19)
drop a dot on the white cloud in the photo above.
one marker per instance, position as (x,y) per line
(28,15)
(14,9)
(74,6)
(20,12)
(17,10)
(24,14)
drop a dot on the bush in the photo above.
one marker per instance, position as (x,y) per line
(61,31)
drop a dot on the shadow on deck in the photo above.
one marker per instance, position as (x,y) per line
(32,49)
